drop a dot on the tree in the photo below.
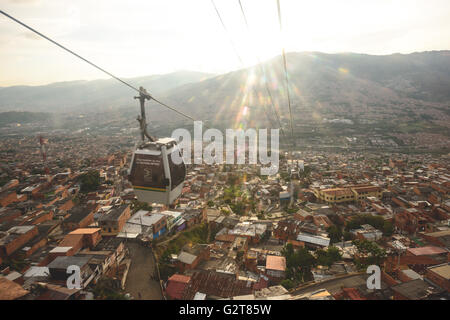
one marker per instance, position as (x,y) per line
(305,261)
(137,205)
(356,222)
(108,289)
(348,236)
(298,263)
(290,210)
(335,233)
(388,228)
(90,181)
(370,253)
(288,251)
(328,257)
(334,254)
(238,208)
(287,284)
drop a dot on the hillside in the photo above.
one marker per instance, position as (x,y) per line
(10,117)
(363,88)
(84,96)
(355,86)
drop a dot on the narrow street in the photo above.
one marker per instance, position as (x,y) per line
(142,277)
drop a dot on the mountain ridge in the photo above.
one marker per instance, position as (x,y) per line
(322,85)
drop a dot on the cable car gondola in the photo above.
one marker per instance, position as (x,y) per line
(155,177)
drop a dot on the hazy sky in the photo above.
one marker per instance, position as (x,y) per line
(134,38)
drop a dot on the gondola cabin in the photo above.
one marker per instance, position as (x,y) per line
(154,175)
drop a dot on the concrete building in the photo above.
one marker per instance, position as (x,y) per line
(113,222)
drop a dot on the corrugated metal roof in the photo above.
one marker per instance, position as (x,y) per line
(186,257)
(322,241)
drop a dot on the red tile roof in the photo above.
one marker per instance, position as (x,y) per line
(217,284)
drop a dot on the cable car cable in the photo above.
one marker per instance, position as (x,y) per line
(283,53)
(93,64)
(226,30)
(286,74)
(243,66)
(263,72)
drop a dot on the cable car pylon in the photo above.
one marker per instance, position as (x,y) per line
(143,95)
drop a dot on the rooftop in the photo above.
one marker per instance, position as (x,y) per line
(427,251)
(65,262)
(143,217)
(9,290)
(415,290)
(442,270)
(180,278)
(85,231)
(20,229)
(276,263)
(186,257)
(114,214)
(77,214)
(314,239)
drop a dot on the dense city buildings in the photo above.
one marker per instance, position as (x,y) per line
(232,234)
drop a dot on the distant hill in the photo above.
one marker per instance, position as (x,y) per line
(85,96)
(348,85)
(365,88)
(22,117)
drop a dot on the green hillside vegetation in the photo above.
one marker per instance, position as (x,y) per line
(11,117)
